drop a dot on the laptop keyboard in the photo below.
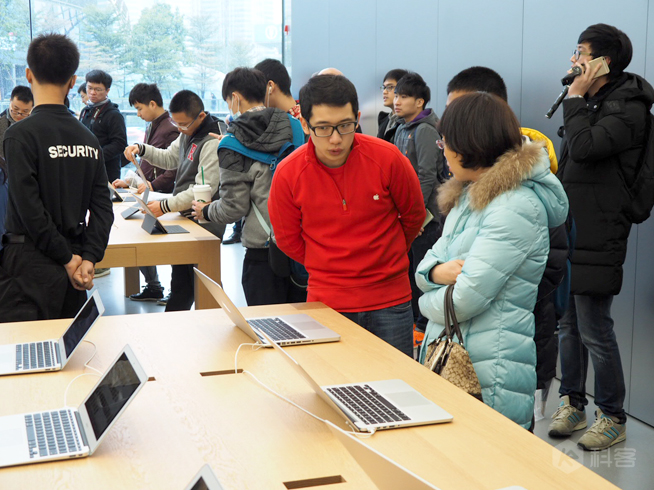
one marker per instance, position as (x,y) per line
(50,433)
(367,404)
(276,328)
(34,355)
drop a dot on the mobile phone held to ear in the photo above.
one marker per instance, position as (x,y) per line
(604,68)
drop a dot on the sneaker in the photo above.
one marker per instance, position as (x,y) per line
(164,301)
(101,272)
(603,433)
(567,419)
(148,294)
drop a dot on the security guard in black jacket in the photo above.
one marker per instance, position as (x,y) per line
(59,212)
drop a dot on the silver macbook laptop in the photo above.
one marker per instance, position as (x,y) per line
(204,480)
(374,405)
(285,329)
(51,355)
(385,473)
(69,432)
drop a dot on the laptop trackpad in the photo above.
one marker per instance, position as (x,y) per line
(7,359)
(11,437)
(13,443)
(407,399)
(302,322)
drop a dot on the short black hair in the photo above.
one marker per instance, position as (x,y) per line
(143,93)
(99,76)
(413,85)
(274,70)
(249,82)
(187,102)
(331,90)
(82,88)
(52,58)
(478,79)
(606,40)
(395,74)
(22,93)
(480,127)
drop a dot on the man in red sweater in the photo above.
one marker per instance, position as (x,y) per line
(348,206)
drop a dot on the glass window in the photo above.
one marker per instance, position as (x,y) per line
(178,44)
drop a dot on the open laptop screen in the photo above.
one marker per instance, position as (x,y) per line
(111,395)
(80,326)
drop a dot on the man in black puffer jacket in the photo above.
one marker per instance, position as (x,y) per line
(604,120)
(105,121)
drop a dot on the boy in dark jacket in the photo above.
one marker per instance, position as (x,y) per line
(160,133)
(58,178)
(387,122)
(105,121)
(604,129)
(416,138)
(21,103)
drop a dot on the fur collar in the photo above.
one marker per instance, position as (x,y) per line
(508,172)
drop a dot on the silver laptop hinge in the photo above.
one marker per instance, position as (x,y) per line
(80,427)
(55,348)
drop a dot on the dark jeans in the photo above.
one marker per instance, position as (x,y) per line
(393,324)
(419,248)
(586,327)
(182,288)
(262,286)
(182,279)
(43,289)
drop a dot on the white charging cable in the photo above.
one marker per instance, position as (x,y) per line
(364,435)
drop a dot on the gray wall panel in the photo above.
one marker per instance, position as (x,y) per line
(310,33)
(641,394)
(420,56)
(475,32)
(352,45)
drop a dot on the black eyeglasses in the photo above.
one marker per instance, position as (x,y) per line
(389,88)
(323,131)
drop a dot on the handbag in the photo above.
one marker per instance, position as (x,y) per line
(450,359)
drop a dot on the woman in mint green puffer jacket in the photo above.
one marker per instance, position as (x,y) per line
(499,205)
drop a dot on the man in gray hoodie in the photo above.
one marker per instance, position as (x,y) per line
(416,138)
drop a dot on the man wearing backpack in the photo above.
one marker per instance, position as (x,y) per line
(257,136)
(604,130)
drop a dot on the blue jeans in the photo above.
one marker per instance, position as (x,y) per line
(586,327)
(393,324)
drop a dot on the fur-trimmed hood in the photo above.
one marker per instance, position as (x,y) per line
(527,165)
